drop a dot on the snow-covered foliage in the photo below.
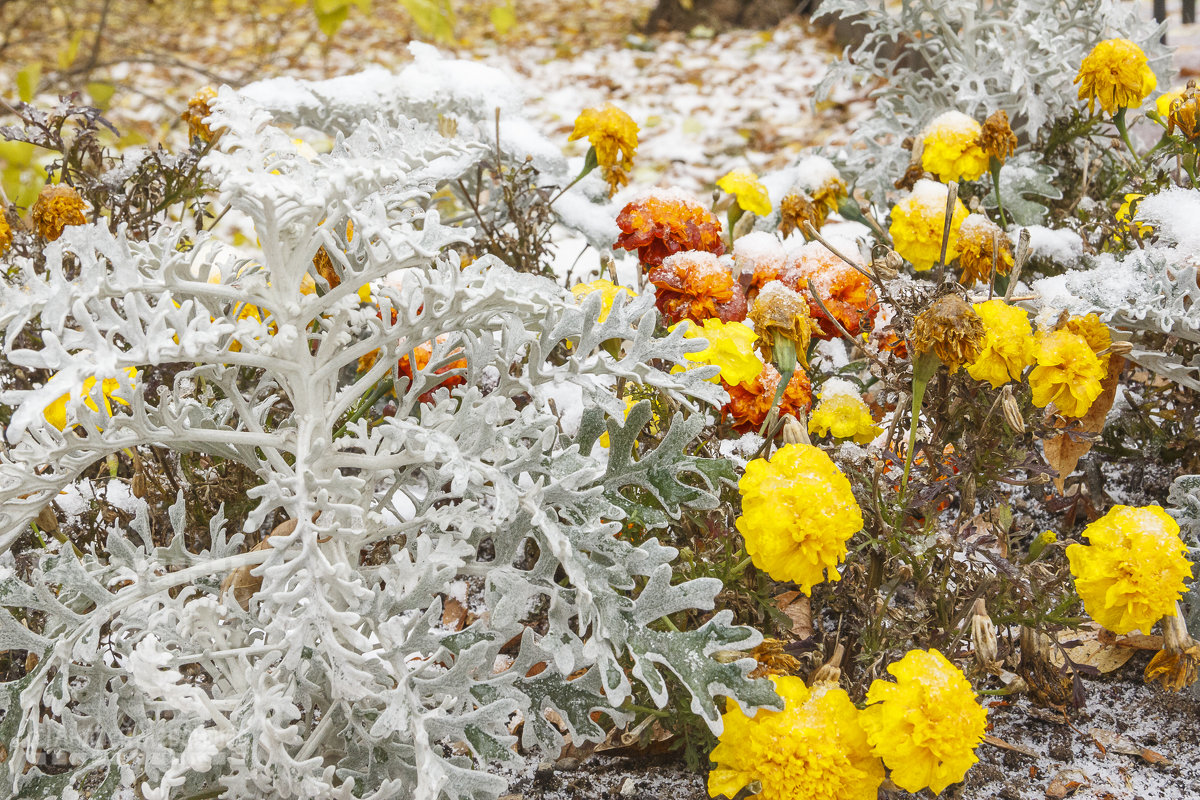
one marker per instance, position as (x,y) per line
(337,679)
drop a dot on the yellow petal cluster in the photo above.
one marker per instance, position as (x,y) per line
(749,192)
(56,208)
(952,151)
(199,107)
(843,415)
(6,236)
(1183,112)
(56,412)
(814,749)
(1115,75)
(730,347)
(608,293)
(1095,333)
(614,134)
(927,724)
(1126,214)
(1131,572)
(917,223)
(1008,347)
(1068,373)
(798,512)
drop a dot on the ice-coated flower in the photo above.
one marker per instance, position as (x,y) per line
(614,134)
(56,412)
(996,137)
(1184,112)
(1009,345)
(846,292)
(918,221)
(1068,373)
(696,285)
(814,749)
(608,293)
(750,401)
(798,512)
(842,413)
(747,190)
(758,259)
(730,347)
(6,236)
(927,724)
(664,222)
(952,151)
(1132,570)
(951,329)
(1115,75)
(797,208)
(778,311)
(978,238)
(56,207)
(198,108)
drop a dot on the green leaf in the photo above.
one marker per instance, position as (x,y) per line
(433,18)
(101,93)
(66,56)
(27,82)
(1024,181)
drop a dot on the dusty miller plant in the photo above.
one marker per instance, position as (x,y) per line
(339,680)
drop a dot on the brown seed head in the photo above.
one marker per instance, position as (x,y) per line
(772,660)
(997,138)
(952,329)
(57,207)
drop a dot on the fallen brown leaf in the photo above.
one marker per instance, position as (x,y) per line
(996,741)
(1062,452)
(798,608)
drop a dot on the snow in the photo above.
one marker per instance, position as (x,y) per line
(758,250)
(953,123)
(1175,215)
(837,387)
(1061,246)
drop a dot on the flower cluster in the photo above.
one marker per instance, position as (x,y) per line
(666,222)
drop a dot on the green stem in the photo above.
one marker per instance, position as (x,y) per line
(995,170)
(785,361)
(381,388)
(923,369)
(1123,129)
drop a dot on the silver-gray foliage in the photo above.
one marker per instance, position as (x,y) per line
(340,679)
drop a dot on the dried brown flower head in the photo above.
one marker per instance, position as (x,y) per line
(997,138)
(798,208)
(951,329)
(57,207)
(914,173)
(1177,665)
(197,110)
(978,241)
(779,310)
(1184,112)
(772,660)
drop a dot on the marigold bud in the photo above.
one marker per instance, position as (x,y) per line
(983,638)
(779,310)
(1012,412)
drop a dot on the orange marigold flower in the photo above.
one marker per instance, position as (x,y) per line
(423,353)
(846,292)
(198,108)
(758,259)
(57,207)
(976,250)
(749,403)
(697,286)
(666,222)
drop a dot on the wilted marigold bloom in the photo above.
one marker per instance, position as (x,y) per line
(996,137)
(1132,570)
(56,412)
(977,240)
(1009,344)
(843,414)
(797,208)
(758,259)
(798,512)
(951,329)
(778,310)
(1183,112)
(6,236)
(199,108)
(57,207)
(696,285)
(614,134)
(730,347)
(608,293)
(927,724)
(846,292)
(772,660)
(917,223)
(814,749)
(952,150)
(1067,374)
(750,401)
(665,222)
(819,179)
(748,190)
(1115,75)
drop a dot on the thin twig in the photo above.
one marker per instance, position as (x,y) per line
(995,260)
(1022,256)
(951,199)
(812,233)
(812,290)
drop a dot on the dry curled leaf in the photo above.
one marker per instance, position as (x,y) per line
(798,608)
(1062,452)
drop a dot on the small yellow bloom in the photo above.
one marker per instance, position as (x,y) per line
(952,150)
(730,347)
(1132,570)
(1067,374)
(608,293)
(918,221)
(56,412)
(813,749)
(6,236)
(1009,346)
(1095,333)
(614,134)
(199,107)
(56,208)
(1126,214)
(798,512)
(749,192)
(1115,75)
(927,724)
(843,414)
(951,329)
(979,239)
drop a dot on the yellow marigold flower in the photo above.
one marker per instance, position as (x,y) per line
(952,150)
(57,207)
(608,293)
(1115,75)
(6,235)
(1095,333)
(843,414)
(1163,104)
(1008,347)
(1132,570)
(56,412)
(798,512)
(813,749)
(730,347)
(951,329)
(917,223)
(927,724)
(198,108)
(1126,214)
(1067,374)
(749,192)
(996,137)
(614,134)
(1184,111)
(978,238)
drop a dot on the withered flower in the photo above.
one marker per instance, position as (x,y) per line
(951,329)
(797,208)
(697,286)
(979,239)
(780,312)
(57,207)
(772,660)
(997,138)
(1184,112)
(1177,665)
